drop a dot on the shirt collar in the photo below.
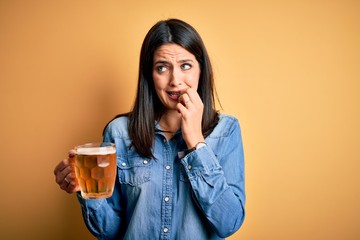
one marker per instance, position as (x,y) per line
(159,131)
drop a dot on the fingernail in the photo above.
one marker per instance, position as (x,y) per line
(71,154)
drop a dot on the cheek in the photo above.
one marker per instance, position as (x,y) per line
(158,87)
(157,82)
(157,90)
(193,81)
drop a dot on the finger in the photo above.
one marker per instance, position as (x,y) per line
(71,177)
(72,153)
(64,163)
(182,110)
(184,99)
(70,183)
(72,187)
(60,176)
(73,184)
(68,179)
(64,184)
(61,166)
(196,104)
(193,95)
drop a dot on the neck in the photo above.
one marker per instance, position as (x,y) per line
(170,122)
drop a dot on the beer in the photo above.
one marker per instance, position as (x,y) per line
(95,168)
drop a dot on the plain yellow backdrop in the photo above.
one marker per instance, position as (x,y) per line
(288,70)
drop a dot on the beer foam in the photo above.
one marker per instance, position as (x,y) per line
(96,151)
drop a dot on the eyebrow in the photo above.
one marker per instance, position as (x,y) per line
(165,61)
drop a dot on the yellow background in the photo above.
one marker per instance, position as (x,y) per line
(289,70)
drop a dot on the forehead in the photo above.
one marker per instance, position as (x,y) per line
(172,50)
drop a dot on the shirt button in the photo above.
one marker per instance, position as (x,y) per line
(166,199)
(165,230)
(167,167)
(123,164)
(189,167)
(145,161)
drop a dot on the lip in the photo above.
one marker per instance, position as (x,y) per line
(173,95)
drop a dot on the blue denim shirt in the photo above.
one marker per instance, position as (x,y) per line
(197,196)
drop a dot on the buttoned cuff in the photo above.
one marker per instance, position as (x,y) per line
(89,203)
(202,160)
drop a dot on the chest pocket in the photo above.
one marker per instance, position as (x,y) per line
(134,170)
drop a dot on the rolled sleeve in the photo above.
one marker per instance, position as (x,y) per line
(216,174)
(200,161)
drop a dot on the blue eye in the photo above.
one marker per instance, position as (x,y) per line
(186,66)
(161,69)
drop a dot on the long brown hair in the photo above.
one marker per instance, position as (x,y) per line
(147,107)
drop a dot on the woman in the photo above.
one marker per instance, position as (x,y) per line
(180,162)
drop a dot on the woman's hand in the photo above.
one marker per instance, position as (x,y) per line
(65,174)
(191,108)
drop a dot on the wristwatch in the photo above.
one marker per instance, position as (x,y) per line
(197,146)
(200,145)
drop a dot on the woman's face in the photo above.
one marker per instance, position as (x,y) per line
(174,70)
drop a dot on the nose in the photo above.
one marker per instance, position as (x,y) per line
(176,77)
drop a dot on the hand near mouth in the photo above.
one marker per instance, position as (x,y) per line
(191,109)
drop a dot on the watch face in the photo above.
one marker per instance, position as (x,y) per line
(200,145)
